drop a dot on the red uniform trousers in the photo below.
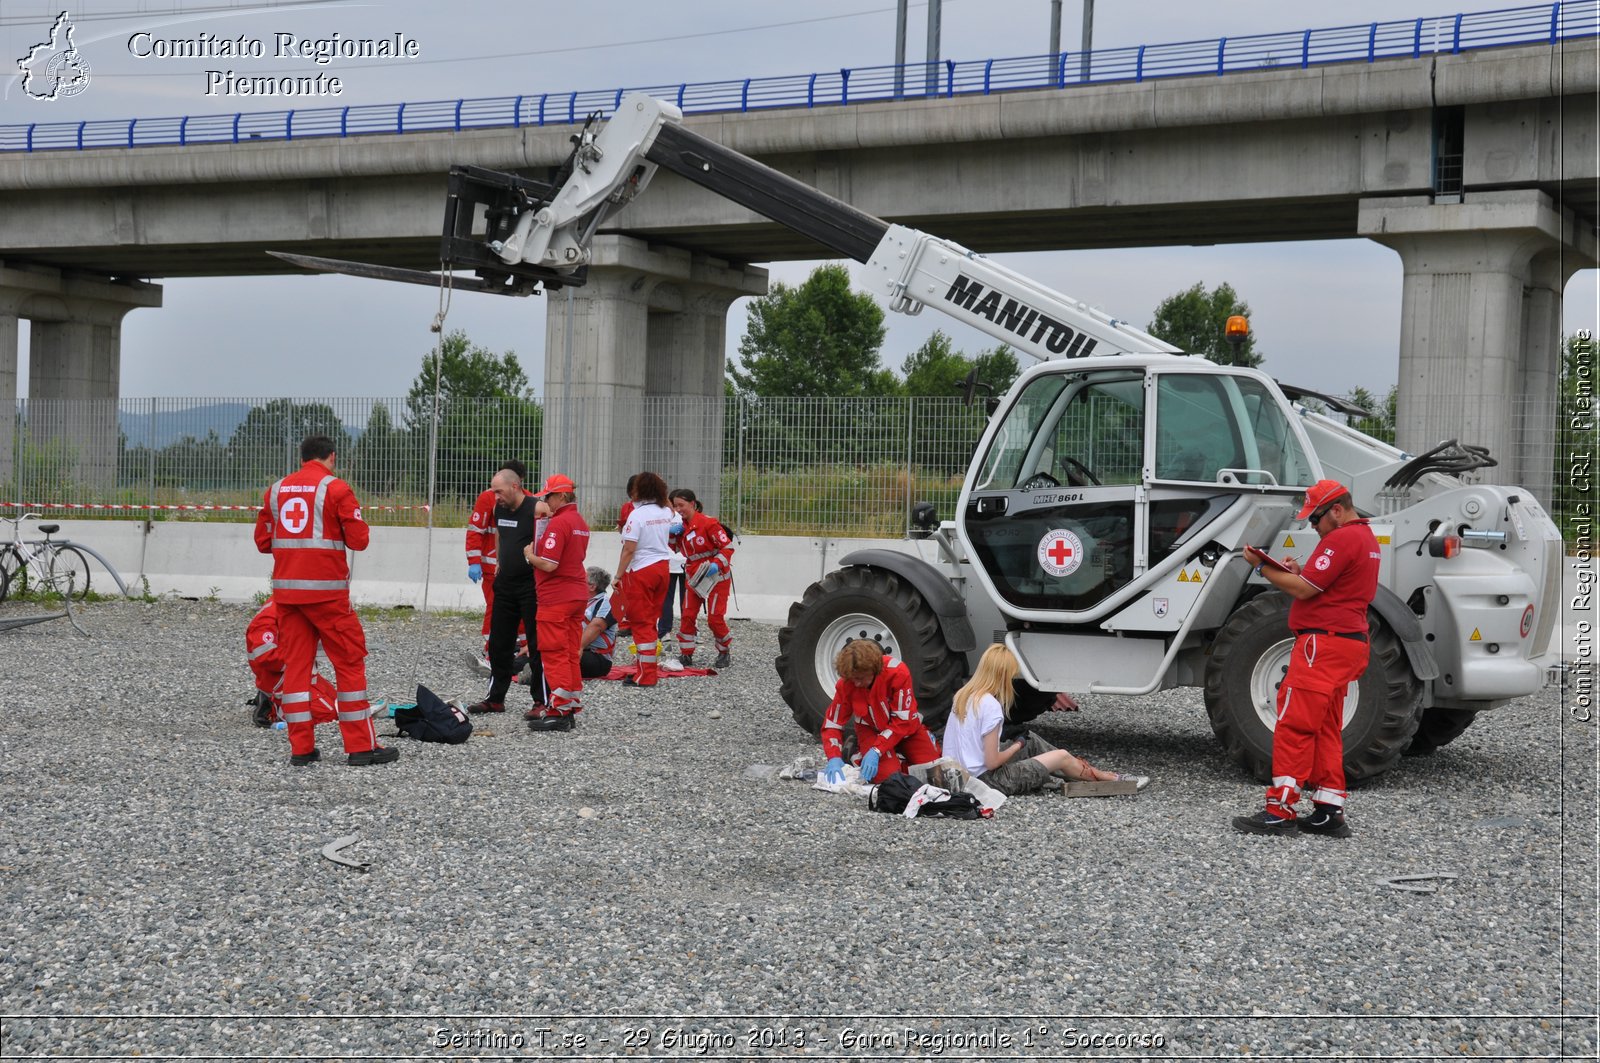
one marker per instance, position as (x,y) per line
(918,747)
(561,649)
(716,619)
(487,584)
(646,589)
(301,626)
(269,680)
(1308,742)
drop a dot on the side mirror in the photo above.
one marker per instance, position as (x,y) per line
(924,520)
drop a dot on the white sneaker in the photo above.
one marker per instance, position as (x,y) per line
(1139,781)
(482,661)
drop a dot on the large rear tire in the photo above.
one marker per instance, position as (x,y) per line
(1248,661)
(1439,727)
(863,603)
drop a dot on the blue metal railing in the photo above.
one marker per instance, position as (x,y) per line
(1448,34)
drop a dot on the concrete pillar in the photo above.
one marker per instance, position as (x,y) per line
(636,380)
(1478,327)
(74,369)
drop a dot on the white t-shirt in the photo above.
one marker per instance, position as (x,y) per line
(963,739)
(649,525)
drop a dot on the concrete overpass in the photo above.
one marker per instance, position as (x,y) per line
(1479,169)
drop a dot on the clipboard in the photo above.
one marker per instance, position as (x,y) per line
(1264,558)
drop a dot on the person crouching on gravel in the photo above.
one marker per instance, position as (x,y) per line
(972,737)
(875,693)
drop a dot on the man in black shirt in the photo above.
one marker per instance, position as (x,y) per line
(515,517)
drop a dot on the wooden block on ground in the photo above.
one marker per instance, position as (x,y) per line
(1109,788)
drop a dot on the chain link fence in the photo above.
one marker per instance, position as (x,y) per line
(770,466)
(798,466)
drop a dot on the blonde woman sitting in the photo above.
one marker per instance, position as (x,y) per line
(972,737)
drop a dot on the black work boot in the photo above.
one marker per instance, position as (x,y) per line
(300,760)
(375,755)
(722,661)
(1325,819)
(1265,822)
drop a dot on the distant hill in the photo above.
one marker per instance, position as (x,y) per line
(166,427)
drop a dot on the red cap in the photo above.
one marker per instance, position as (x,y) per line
(1320,494)
(556,484)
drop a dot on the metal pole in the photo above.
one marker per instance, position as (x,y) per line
(1055,27)
(1086,45)
(911,409)
(934,8)
(900,47)
(738,475)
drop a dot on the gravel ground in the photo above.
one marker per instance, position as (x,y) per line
(627,890)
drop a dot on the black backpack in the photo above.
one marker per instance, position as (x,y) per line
(431,720)
(895,793)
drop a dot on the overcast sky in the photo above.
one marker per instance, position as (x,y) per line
(1326,314)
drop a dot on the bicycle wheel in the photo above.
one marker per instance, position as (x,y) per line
(69,573)
(5,584)
(14,571)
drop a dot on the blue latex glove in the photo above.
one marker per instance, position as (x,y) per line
(713,568)
(474,572)
(676,527)
(869,765)
(833,771)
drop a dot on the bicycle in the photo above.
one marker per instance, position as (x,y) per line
(55,567)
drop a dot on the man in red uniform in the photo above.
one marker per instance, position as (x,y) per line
(308,520)
(481,556)
(562,581)
(1329,620)
(266,661)
(707,555)
(874,692)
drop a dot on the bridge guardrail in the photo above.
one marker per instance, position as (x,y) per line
(1369,42)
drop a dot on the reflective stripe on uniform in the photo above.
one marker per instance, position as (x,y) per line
(265,647)
(703,555)
(354,715)
(351,695)
(562,692)
(308,544)
(294,699)
(310,584)
(297,717)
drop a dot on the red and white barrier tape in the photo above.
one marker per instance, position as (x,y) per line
(140,506)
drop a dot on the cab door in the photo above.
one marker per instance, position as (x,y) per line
(1054,520)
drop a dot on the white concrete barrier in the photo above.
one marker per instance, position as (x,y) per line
(200,560)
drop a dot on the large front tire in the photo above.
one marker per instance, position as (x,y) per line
(1248,661)
(863,603)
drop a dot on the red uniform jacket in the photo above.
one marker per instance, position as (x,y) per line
(307,520)
(481,540)
(885,714)
(261,648)
(703,539)
(565,540)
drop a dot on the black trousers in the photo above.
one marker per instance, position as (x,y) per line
(594,666)
(513,604)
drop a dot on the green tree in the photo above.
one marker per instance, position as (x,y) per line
(467,372)
(818,340)
(266,445)
(937,370)
(945,429)
(384,459)
(1193,321)
(1381,426)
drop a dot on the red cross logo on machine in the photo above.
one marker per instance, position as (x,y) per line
(1060,552)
